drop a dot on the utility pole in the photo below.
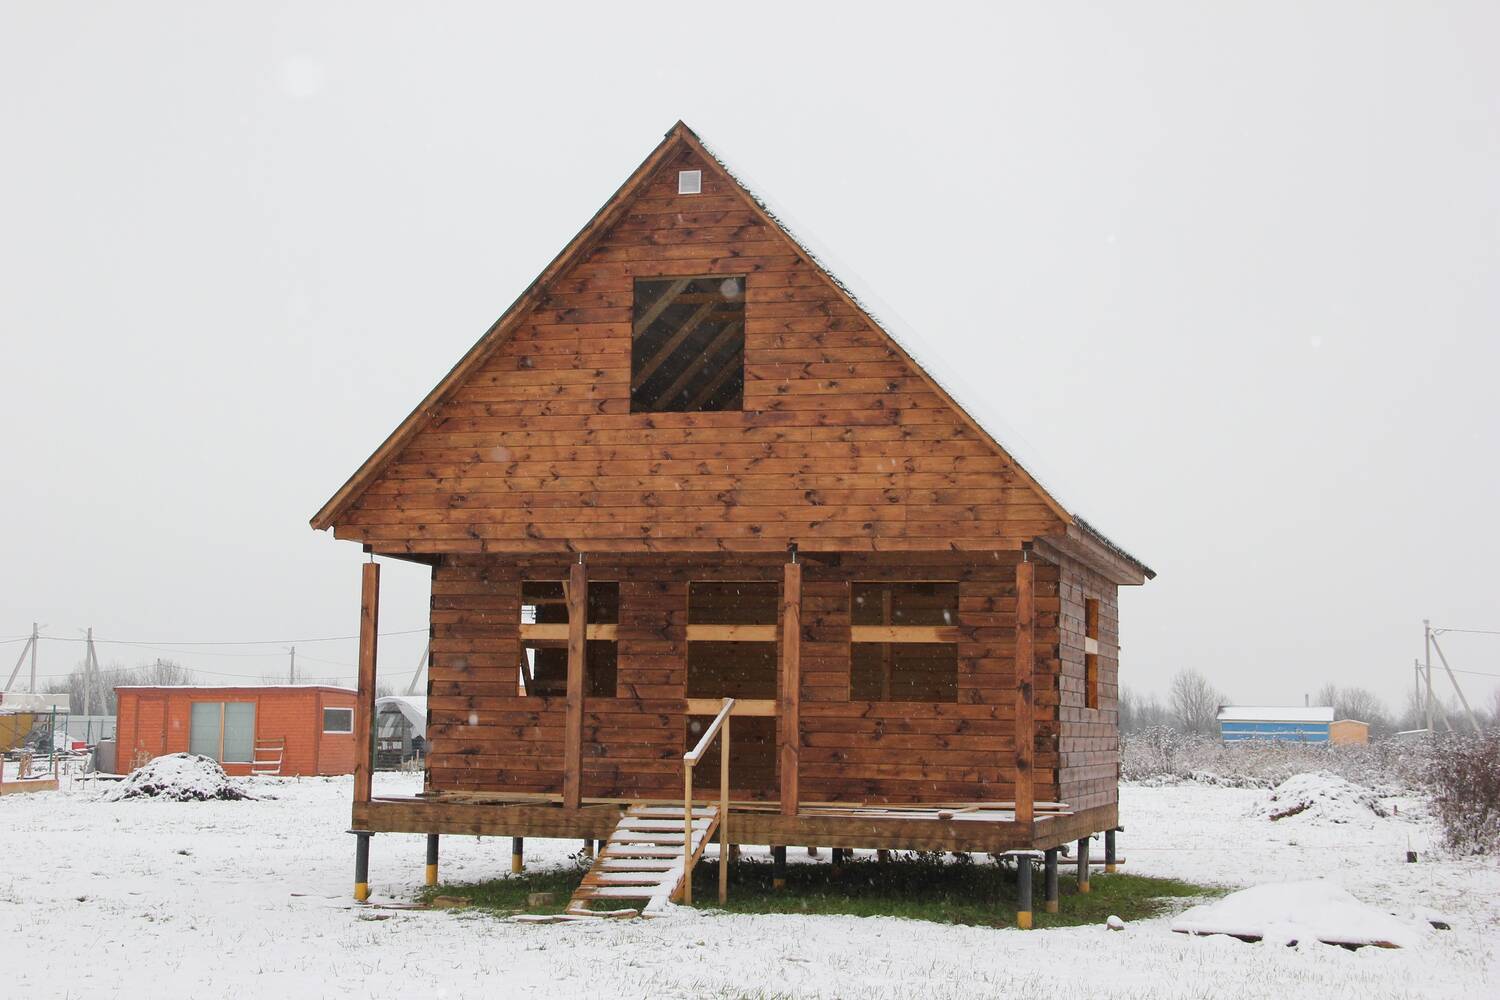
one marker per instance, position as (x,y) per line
(88,674)
(411,688)
(1454,681)
(1427,669)
(32,686)
(291,676)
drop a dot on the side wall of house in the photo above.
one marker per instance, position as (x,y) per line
(1089,738)
(484,735)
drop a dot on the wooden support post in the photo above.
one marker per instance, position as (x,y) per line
(1023,891)
(364,701)
(362,865)
(882,856)
(724,814)
(1083,864)
(790,683)
(1025,697)
(517,861)
(578,610)
(1049,877)
(778,868)
(1109,850)
(687,833)
(432,859)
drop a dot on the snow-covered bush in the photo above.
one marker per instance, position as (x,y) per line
(1159,755)
(1464,776)
(182,777)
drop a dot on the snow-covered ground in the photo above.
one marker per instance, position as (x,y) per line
(158,899)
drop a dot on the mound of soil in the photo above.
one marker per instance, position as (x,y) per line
(1321,797)
(180,777)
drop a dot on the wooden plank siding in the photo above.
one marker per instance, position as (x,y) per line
(1088,739)
(484,736)
(842,445)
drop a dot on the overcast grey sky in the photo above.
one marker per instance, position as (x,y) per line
(1233,270)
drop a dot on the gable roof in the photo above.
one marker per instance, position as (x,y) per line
(971,405)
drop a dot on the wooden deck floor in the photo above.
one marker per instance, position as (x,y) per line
(981,826)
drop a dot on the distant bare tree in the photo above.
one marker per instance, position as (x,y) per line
(1358,703)
(1495,709)
(161,673)
(1194,702)
(1138,712)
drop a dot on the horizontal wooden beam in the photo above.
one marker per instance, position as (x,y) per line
(558,631)
(731,633)
(904,633)
(742,706)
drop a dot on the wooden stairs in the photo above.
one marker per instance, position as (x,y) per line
(268,756)
(643,860)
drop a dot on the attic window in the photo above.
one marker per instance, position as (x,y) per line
(689,182)
(688,344)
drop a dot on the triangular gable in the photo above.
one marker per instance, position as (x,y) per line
(679,139)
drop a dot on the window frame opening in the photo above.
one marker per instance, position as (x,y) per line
(338,732)
(1091,653)
(910,618)
(601,668)
(687,344)
(734,619)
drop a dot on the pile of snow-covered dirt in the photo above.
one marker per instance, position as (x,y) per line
(1289,912)
(181,777)
(1321,797)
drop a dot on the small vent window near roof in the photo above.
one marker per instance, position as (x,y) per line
(688,345)
(689,182)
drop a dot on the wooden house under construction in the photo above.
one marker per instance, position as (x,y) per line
(688,476)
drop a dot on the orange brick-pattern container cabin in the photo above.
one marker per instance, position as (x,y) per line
(688,464)
(289,730)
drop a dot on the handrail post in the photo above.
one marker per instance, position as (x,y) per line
(724,817)
(687,833)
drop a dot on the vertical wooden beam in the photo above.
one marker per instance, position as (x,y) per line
(578,610)
(791,684)
(1025,696)
(364,701)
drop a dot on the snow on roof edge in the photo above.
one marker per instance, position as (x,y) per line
(906,337)
(1275,713)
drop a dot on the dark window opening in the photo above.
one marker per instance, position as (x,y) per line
(903,671)
(904,603)
(724,667)
(688,345)
(712,603)
(544,658)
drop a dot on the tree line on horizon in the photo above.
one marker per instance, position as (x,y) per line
(1192,707)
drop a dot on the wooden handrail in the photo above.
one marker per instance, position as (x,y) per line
(689,760)
(693,755)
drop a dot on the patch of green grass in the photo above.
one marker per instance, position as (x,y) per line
(507,895)
(918,886)
(934,887)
